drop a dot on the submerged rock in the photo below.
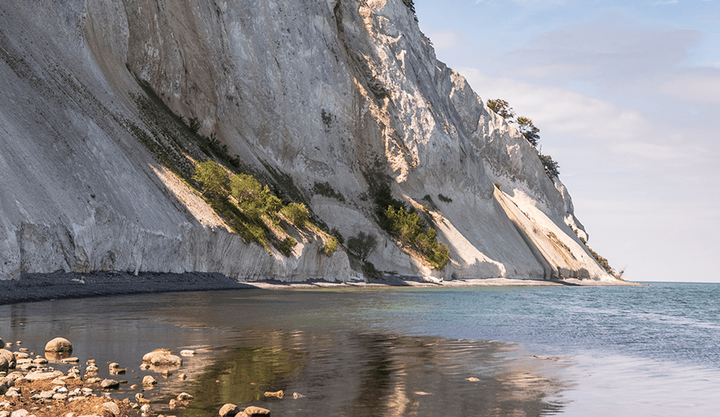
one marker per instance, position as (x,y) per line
(279,394)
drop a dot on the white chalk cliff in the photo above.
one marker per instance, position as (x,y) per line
(320,91)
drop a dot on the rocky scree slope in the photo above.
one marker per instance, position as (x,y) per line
(321,99)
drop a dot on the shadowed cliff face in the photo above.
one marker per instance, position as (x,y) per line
(322,92)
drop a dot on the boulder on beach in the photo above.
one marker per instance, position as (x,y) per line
(254,411)
(148,380)
(184,397)
(9,357)
(59,344)
(112,408)
(41,376)
(109,384)
(162,357)
(229,410)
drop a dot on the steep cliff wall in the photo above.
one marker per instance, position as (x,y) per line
(321,91)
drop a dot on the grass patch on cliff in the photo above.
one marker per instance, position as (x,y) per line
(253,210)
(405,224)
(326,190)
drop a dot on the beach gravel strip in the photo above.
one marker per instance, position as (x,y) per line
(65,285)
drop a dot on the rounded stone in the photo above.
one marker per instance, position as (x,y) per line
(229,410)
(253,411)
(112,407)
(184,397)
(9,357)
(162,357)
(109,384)
(149,380)
(59,344)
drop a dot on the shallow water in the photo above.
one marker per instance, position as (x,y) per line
(454,351)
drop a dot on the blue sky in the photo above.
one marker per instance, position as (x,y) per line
(627,99)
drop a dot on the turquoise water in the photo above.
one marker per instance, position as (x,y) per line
(632,351)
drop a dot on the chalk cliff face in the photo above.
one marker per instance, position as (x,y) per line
(319,91)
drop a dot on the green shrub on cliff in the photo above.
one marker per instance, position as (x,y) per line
(552,168)
(287,246)
(212,178)
(253,199)
(254,209)
(330,246)
(297,214)
(362,245)
(405,225)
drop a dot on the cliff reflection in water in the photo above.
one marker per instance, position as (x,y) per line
(348,374)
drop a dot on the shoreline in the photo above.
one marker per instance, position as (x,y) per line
(69,285)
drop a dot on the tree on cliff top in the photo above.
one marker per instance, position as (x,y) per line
(528,130)
(552,168)
(502,108)
(410,4)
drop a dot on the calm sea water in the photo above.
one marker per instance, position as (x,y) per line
(590,351)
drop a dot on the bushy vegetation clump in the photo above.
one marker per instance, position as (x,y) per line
(330,246)
(287,246)
(253,199)
(325,189)
(407,226)
(212,178)
(552,168)
(297,214)
(361,245)
(444,199)
(252,209)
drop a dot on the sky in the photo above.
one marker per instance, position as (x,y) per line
(626,95)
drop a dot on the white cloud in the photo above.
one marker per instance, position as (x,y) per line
(446,40)
(560,110)
(697,85)
(614,50)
